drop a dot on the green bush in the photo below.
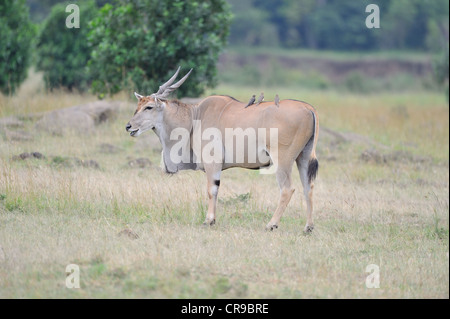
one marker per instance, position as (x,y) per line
(440,70)
(16,34)
(63,52)
(138,44)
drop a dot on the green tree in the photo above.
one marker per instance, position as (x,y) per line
(39,9)
(438,26)
(16,34)
(251,25)
(340,25)
(63,52)
(440,70)
(297,15)
(138,44)
(399,19)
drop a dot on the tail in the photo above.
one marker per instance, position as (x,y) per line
(313,165)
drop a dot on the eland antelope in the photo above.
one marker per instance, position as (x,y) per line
(295,123)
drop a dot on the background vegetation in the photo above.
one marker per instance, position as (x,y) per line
(195,33)
(338,24)
(63,53)
(16,42)
(137,45)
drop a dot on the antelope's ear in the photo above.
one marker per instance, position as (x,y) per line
(138,96)
(160,103)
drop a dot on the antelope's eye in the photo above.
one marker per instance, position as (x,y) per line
(148,108)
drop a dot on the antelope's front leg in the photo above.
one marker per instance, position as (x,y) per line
(213,177)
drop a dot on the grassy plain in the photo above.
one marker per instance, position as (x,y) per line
(391,209)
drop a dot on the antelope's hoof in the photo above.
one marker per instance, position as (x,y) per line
(308,229)
(209,222)
(271,227)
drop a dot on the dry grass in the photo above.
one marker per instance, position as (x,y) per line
(395,215)
(33,98)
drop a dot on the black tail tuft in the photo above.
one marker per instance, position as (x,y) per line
(313,168)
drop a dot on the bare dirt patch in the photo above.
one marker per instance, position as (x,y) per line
(141,162)
(81,118)
(71,162)
(24,156)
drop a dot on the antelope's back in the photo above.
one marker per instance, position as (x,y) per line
(226,112)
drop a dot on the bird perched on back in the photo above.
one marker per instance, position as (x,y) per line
(277,100)
(252,100)
(260,98)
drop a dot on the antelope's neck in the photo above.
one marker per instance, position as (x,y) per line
(177,119)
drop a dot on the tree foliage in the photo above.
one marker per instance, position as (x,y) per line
(16,34)
(440,70)
(40,9)
(138,44)
(250,25)
(63,52)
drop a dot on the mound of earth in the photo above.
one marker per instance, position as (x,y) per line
(24,156)
(71,162)
(376,156)
(10,122)
(81,118)
(140,163)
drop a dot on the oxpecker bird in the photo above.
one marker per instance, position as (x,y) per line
(260,98)
(277,100)
(252,100)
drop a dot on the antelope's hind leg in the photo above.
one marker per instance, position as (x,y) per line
(303,163)
(284,182)
(213,173)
